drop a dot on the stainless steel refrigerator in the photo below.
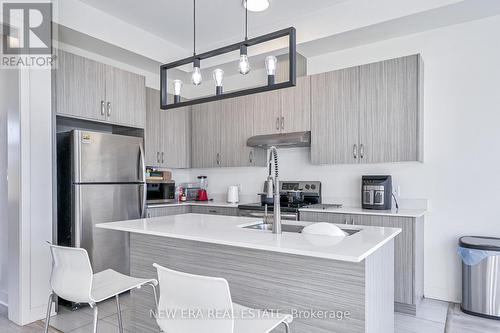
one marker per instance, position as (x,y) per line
(101,178)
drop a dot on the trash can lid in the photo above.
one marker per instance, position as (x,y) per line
(480,243)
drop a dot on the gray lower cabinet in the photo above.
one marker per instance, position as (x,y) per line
(214,210)
(185,209)
(167,211)
(408,252)
(368,114)
(167,134)
(89,90)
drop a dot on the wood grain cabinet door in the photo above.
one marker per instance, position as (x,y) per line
(236,128)
(79,87)
(389,122)
(153,133)
(266,112)
(125,98)
(295,104)
(206,138)
(176,143)
(404,286)
(335,117)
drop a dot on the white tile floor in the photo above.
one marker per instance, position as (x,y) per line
(431,318)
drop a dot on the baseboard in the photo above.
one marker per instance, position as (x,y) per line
(4,298)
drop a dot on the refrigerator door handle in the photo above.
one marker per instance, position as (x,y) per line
(142,167)
(78,224)
(143,195)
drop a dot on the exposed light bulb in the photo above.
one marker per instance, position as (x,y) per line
(196,76)
(256,5)
(244,64)
(271,63)
(218,75)
(177,90)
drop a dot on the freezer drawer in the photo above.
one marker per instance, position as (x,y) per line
(100,203)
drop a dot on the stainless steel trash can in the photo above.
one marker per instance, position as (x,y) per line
(481,276)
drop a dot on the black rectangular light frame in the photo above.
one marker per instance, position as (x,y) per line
(290,32)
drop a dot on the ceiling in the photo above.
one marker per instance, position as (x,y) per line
(218,21)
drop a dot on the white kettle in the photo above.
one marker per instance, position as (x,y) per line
(233,194)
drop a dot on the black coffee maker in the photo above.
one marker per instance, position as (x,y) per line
(376,192)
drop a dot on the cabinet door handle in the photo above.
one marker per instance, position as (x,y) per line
(218,159)
(362,151)
(278,123)
(103,107)
(109,109)
(162,157)
(213,211)
(250,156)
(158,157)
(355,151)
(282,123)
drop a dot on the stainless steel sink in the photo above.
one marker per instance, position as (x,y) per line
(291,228)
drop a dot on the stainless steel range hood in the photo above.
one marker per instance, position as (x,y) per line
(286,140)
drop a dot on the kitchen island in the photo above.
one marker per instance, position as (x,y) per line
(329,284)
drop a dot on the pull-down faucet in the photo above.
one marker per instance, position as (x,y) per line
(273,189)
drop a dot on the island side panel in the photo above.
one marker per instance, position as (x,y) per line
(258,279)
(379,268)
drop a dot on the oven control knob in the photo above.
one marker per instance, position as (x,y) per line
(307,186)
(313,187)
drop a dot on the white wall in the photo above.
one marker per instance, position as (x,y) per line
(4,81)
(460,176)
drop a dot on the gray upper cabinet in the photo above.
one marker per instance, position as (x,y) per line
(80,87)
(90,90)
(167,135)
(335,117)
(125,98)
(220,133)
(295,105)
(282,111)
(206,138)
(390,111)
(266,112)
(368,114)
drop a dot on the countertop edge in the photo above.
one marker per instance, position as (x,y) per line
(254,246)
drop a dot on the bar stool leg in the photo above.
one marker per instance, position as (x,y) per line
(118,308)
(287,327)
(96,317)
(49,309)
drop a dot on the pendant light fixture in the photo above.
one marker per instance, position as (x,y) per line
(271,63)
(218,75)
(256,5)
(196,77)
(244,64)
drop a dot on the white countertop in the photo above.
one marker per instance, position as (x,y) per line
(413,213)
(227,230)
(197,203)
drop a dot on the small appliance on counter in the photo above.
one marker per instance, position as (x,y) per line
(203,187)
(233,194)
(160,191)
(376,192)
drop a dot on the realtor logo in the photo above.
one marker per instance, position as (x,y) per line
(27,28)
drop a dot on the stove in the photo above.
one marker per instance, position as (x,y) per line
(289,211)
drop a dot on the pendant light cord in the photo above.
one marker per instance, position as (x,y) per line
(194,27)
(246,20)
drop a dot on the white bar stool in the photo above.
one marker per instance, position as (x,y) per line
(194,303)
(72,278)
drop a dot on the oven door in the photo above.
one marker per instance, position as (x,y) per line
(260,214)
